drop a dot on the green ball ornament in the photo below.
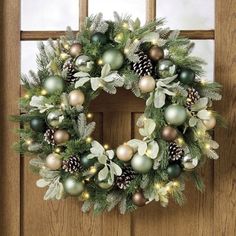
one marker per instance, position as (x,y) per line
(114,58)
(54,118)
(84,63)
(38,124)
(174,171)
(85,162)
(141,164)
(54,84)
(99,38)
(166,68)
(186,76)
(175,114)
(72,186)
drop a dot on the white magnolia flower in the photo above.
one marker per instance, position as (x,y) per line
(147,126)
(108,80)
(110,168)
(40,103)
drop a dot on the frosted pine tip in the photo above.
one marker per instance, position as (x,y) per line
(43,92)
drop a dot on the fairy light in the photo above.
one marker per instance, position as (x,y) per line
(100,62)
(106,146)
(207,146)
(126,50)
(92,170)
(85,195)
(154,41)
(27,96)
(175,183)
(125,25)
(28,141)
(43,92)
(168,188)
(57,150)
(64,56)
(148,152)
(89,139)
(66,46)
(89,115)
(136,41)
(203,82)
(157,185)
(180,141)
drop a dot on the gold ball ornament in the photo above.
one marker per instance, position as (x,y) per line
(139,199)
(76,98)
(53,161)
(156,53)
(75,49)
(169,133)
(124,152)
(61,136)
(147,84)
(210,123)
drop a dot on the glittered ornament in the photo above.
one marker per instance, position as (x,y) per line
(141,164)
(175,114)
(174,171)
(169,133)
(71,165)
(49,136)
(84,63)
(114,58)
(210,123)
(73,186)
(186,76)
(124,152)
(143,66)
(139,199)
(53,161)
(147,84)
(155,53)
(53,84)
(166,68)
(123,181)
(38,124)
(175,152)
(54,118)
(61,137)
(75,49)
(76,98)
(189,163)
(99,37)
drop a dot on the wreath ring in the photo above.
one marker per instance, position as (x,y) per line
(157,66)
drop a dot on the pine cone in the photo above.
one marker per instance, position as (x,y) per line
(123,181)
(69,66)
(143,66)
(71,165)
(48,136)
(192,97)
(175,152)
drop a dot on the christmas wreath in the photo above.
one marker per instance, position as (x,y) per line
(152,61)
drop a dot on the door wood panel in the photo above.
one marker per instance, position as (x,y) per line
(22,208)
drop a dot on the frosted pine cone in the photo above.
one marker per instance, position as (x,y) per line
(48,136)
(71,165)
(192,97)
(69,66)
(175,152)
(125,178)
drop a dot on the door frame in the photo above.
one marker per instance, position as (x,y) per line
(225,72)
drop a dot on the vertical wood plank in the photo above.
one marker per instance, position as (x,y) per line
(225,167)
(150,10)
(83,11)
(9,93)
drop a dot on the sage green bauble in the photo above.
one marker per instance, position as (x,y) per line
(186,76)
(38,124)
(85,162)
(141,164)
(174,171)
(54,118)
(166,68)
(114,58)
(99,38)
(175,114)
(54,84)
(84,63)
(72,186)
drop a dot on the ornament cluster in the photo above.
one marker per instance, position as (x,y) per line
(157,66)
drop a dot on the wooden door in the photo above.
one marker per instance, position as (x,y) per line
(23,211)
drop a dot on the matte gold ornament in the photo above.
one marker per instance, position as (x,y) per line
(76,98)
(75,49)
(61,136)
(53,161)
(210,123)
(169,133)
(156,53)
(139,199)
(147,84)
(124,152)
(189,163)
